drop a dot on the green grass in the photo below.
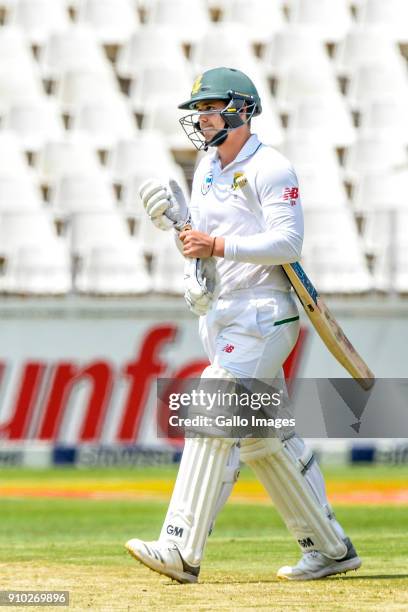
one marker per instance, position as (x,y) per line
(78,545)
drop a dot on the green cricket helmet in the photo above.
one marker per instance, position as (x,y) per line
(227,84)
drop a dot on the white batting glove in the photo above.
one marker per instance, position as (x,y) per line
(200,283)
(165,205)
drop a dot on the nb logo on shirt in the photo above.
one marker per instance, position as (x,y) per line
(292,194)
(228,348)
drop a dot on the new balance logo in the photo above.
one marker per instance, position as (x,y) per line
(173,530)
(291,193)
(306,542)
(228,348)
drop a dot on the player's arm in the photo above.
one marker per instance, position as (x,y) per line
(277,197)
(277,192)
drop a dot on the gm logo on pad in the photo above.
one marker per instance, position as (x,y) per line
(173,530)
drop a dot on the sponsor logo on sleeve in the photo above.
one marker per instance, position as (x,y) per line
(292,194)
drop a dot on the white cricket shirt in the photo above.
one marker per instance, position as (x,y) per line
(255,242)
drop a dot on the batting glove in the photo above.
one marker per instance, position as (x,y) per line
(165,205)
(200,283)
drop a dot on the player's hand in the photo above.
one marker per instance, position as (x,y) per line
(165,204)
(200,280)
(197,244)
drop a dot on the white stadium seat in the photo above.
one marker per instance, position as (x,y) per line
(38,18)
(14,47)
(309,150)
(70,155)
(329,19)
(262,18)
(324,117)
(188,18)
(92,233)
(75,48)
(34,122)
(114,270)
(168,265)
(19,192)
(268,126)
(164,117)
(373,154)
(224,45)
(12,159)
(386,240)
(364,45)
(385,117)
(320,189)
(401,255)
(156,82)
(81,86)
(376,80)
(305,79)
(82,192)
(38,269)
(19,82)
(25,228)
(147,149)
(150,45)
(381,190)
(390,13)
(90,229)
(104,122)
(333,252)
(291,45)
(113,21)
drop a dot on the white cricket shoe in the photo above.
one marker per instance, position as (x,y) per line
(314,565)
(164,558)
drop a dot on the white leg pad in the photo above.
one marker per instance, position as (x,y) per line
(230,477)
(310,469)
(299,508)
(197,489)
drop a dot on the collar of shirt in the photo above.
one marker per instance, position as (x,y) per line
(252,144)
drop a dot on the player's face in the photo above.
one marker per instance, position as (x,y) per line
(210,121)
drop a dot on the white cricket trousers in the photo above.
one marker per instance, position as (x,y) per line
(250,333)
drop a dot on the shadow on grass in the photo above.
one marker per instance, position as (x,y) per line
(277,581)
(372,577)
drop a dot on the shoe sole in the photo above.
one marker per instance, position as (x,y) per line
(340,568)
(181,577)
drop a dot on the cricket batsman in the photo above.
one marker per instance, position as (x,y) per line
(249,324)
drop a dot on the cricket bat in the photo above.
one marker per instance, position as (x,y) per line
(319,314)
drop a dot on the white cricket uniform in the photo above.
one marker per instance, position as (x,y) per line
(253,325)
